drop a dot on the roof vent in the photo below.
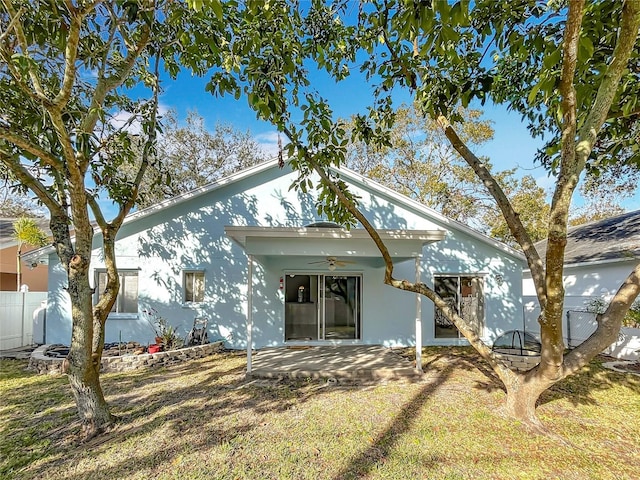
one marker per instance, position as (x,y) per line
(323,224)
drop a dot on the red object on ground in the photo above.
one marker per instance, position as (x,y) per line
(154,348)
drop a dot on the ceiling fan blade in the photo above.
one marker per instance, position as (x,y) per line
(343,263)
(317,262)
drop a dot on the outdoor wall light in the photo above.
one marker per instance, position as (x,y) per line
(499,278)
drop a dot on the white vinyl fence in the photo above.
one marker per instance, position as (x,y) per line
(18,313)
(578,325)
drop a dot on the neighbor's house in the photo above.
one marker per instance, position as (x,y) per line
(599,256)
(34,274)
(254,257)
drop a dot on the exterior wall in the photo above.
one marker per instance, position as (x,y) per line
(458,253)
(584,283)
(190,235)
(34,278)
(588,280)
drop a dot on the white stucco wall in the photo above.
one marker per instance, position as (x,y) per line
(190,235)
(583,283)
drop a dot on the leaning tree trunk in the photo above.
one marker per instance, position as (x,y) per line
(84,365)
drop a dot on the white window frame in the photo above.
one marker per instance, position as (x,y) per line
(192,271)
(117,306)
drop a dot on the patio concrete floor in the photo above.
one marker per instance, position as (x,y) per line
(354,363)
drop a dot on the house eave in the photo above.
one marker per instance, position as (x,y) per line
(240,234)
(609,261)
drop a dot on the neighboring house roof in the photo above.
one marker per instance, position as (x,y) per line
(610,240)
(363,181)
(6,230)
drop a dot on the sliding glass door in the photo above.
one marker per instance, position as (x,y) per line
(341,302)
(323,307)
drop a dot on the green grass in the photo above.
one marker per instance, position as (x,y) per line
(203,420)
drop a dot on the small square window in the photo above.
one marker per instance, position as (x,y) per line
(193,287)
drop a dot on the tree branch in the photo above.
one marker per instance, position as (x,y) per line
(629,27)
(511,216)
(24,45)
(70,55)
(26,145)
(148,147)
(12,24)
(26,178)
(108,84)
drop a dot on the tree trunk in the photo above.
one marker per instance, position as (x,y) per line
(523,392)
(92,408)
(84,365)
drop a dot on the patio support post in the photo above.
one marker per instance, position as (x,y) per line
(249,312)
(418,316)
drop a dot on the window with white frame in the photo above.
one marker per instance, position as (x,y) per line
(127,300)
(465,295)
(193,282)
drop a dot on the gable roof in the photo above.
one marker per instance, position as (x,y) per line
(357,178)
(612,239)
(416,206)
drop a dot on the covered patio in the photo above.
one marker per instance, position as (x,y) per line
(325,350)
(341,363)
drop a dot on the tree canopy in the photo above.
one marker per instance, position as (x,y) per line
(75,77)
(189,156)
(569,69)
(421,163)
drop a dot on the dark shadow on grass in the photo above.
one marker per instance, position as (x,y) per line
(361,465)
(205,405)
(464,358)
(579,388)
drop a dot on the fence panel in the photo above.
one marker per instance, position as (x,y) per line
(16,317)
(579,326)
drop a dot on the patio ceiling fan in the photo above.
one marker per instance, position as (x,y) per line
(333,262)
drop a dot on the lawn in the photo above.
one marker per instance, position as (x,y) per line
(204,420)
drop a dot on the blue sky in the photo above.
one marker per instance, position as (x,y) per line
(512,145)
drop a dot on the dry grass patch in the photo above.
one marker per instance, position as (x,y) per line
(204,420)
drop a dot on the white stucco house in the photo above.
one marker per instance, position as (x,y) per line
(253,256)
(599,256)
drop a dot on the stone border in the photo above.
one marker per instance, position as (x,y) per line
(615,366)
(520,363)
(43,364)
